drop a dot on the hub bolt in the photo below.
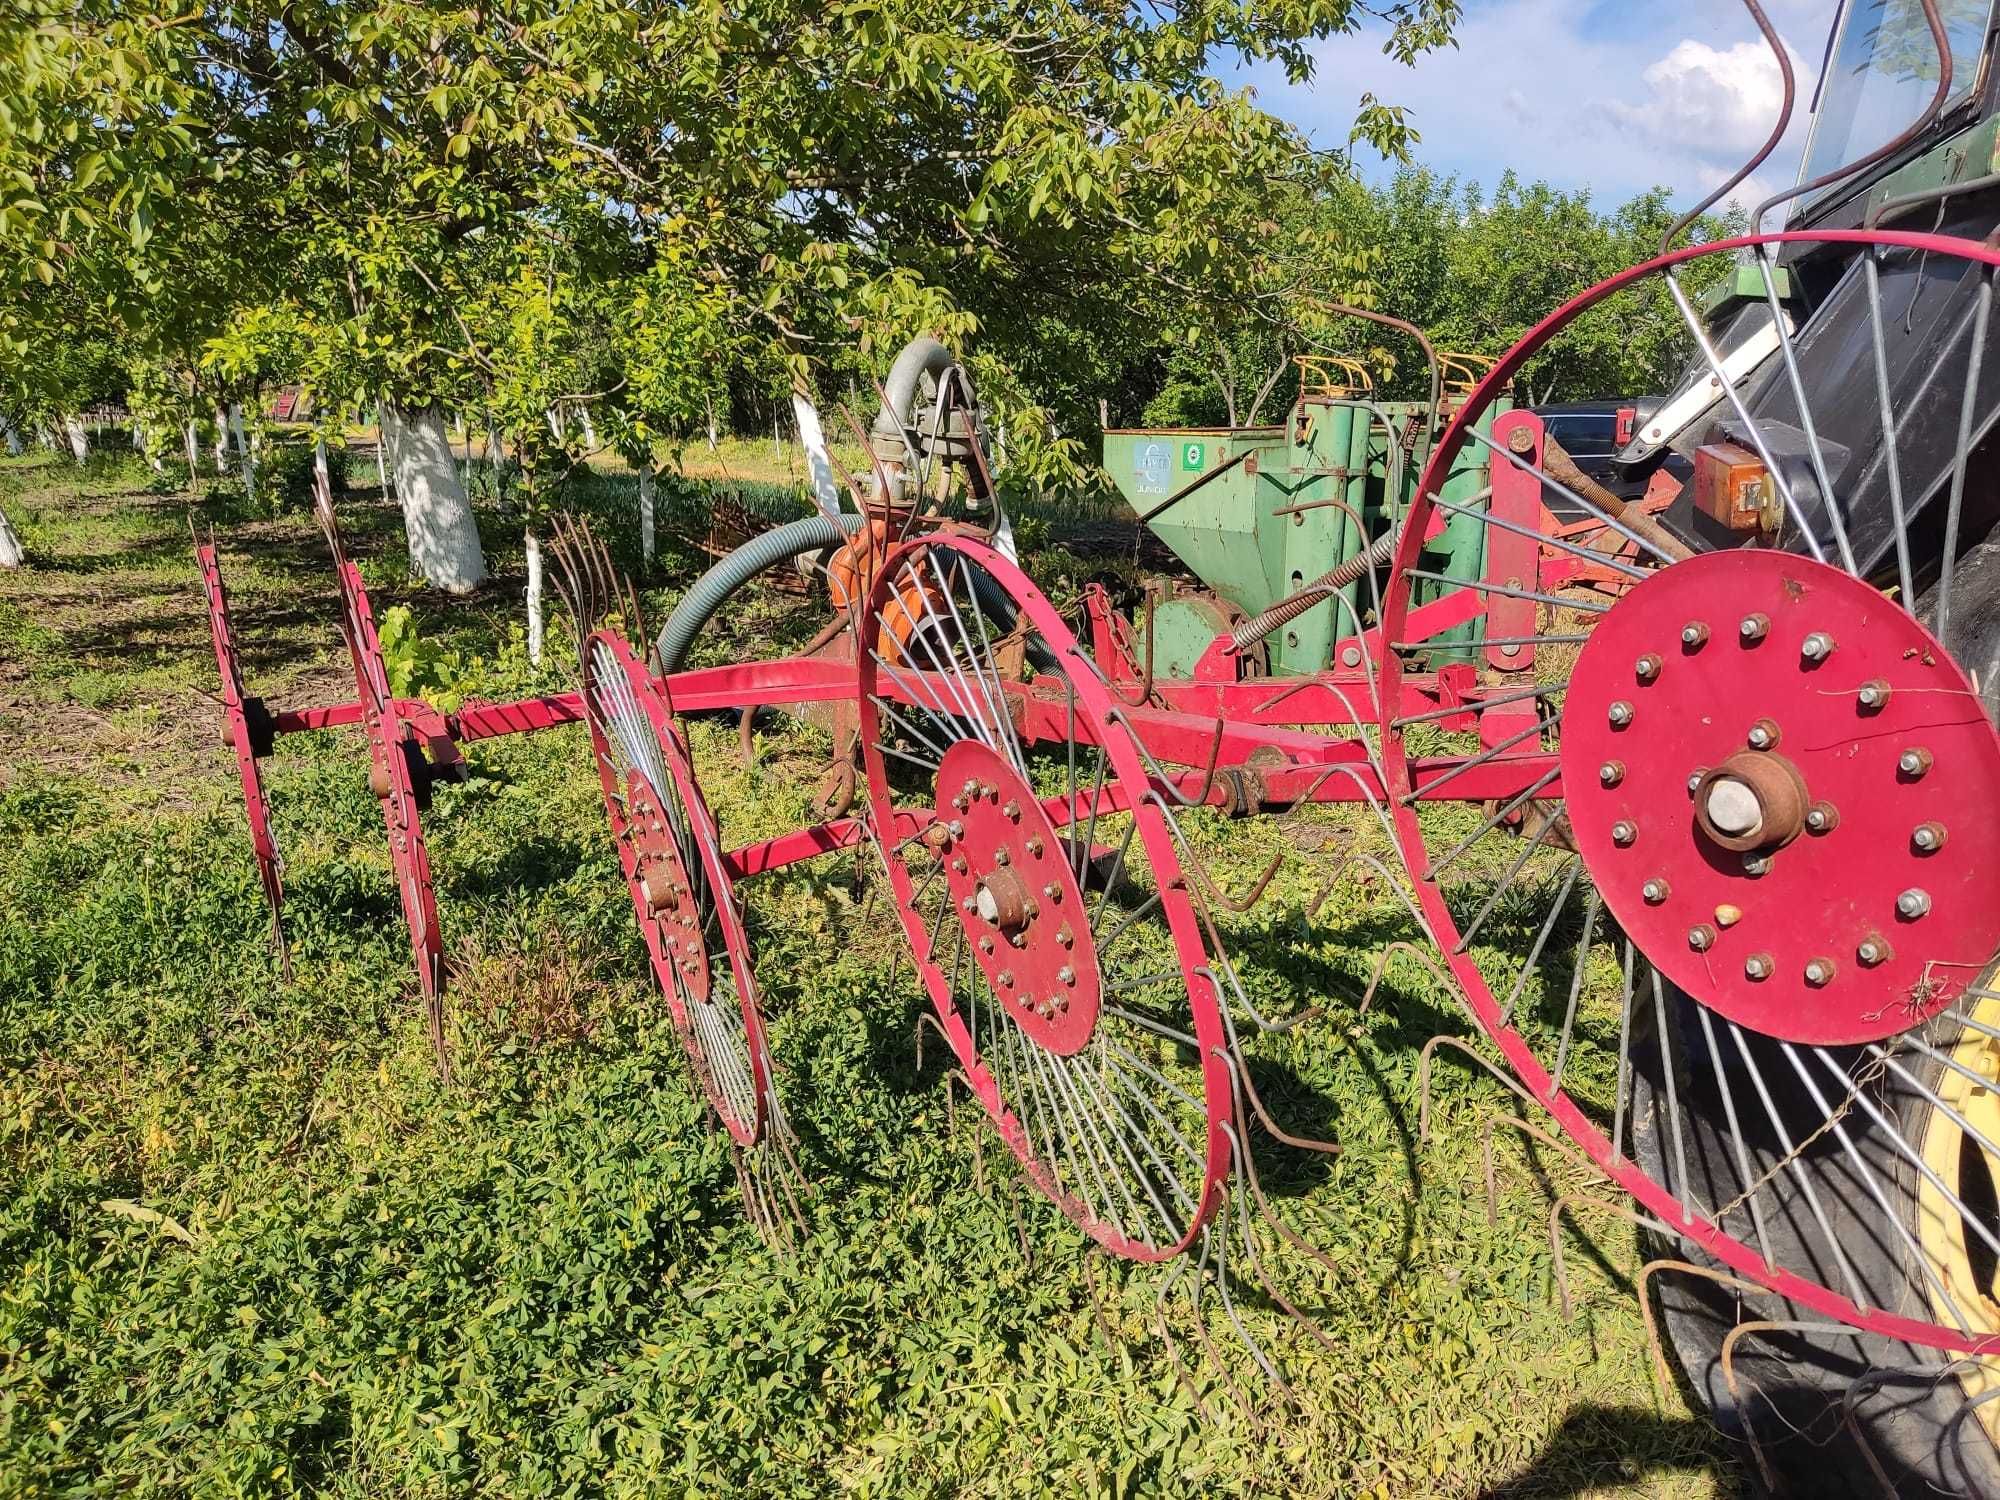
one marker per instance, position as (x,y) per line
(1647,667)
(1064,935)
(1655,891)
(1914,903)
(1820,972)
(1052,891)
(1874,694)
(1754,628)
(969,904)
(1006,978)
(1694,633)
(1756,864)
(1694,780)
(955,828)
(1822,818)
(1034,845)
(1066,974)
(1874,949)
(1622,834)
(1002,857)
(1012,810)
(1611,772)
(961,802)
(1914,762)
(1928,837)
(970,790)
(958,865)
(1701,938)
(1758,966)
(1763,735)
(986,945)
(1818,646)
(1621,714)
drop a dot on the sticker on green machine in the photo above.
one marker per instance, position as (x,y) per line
(1194,455)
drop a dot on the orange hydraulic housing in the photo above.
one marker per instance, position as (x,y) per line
(1733,488)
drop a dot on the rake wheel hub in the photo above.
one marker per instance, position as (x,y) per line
(1827,892)
(670,895)
(1017,897)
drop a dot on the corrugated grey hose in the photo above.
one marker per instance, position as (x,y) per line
(712,590)
(1318,591)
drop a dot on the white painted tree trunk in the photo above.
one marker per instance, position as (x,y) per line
(10,545)
(138,438)
(321,477)
(245,456)
(193,454)
(646,531)
(221,441)
(79,440)
(382,448)
(589,431)
(534,548)
(443,536)
(711,424)
(555,423)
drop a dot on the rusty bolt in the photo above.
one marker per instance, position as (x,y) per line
(1820,972)
(1756,863)
(1694,634)
(1064,935)
(1066,974)
(986,945)
(955,828)
(1012,810)
(1611,772)
(1694,780)
(1053,890)
(1914,903)
(1822,817)
(958,865)
(1002,857)
(1647,667)
(1763,735)
(1034,845)
(970,790)
(1928,838)
(1006,978)
(1754,628)
(1874,949)
(1701,938)
(1817,647)
(1521,439)
(1758,966)
(1874,694)
(1624,833)
(1655,891)
(969,904)
(961,802)
(1621,714)
(1914,762)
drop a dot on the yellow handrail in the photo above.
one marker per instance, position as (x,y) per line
(1317,377)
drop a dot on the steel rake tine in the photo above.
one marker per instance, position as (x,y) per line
(1570,1203)
(1424,1060)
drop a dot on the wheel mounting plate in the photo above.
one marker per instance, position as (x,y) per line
(1702,913)
(661,881)
(1017,897)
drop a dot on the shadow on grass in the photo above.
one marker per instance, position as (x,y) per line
(1603,1447)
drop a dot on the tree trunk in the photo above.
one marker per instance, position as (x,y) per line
(646,512)
(711,423)
(193,453)
(79,440)
(589,432)
(244,456)
(555,425)
(534,548)
(322,477)
(138,439)
(382,448)
(10,544)
(443,536)
(221,441)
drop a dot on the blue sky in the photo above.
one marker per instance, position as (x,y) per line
(1611,95)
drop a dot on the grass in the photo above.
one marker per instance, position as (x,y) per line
(250,1245)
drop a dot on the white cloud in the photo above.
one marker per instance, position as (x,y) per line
(1723,100)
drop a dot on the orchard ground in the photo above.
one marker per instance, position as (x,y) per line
(249,1244)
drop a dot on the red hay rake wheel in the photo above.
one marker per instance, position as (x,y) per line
(400,778)
(1722,891)
(1045,906)
(683,893)
(247,730)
